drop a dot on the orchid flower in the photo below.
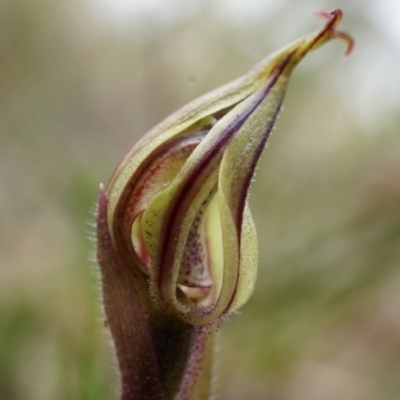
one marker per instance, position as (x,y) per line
(177,246)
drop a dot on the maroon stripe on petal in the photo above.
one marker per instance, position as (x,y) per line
(199,173)
(247,181)
(188,190)
(244,193)
(253,165)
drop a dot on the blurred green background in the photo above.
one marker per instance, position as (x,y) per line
(80,81)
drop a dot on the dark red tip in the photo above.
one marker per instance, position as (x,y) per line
(334,17)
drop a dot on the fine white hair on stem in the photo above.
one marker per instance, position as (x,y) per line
(91,235)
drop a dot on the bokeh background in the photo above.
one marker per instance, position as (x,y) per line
(81,80)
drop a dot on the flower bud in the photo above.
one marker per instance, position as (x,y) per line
(177,245)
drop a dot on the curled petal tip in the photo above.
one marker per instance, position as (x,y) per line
(334,17)
(347,38)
